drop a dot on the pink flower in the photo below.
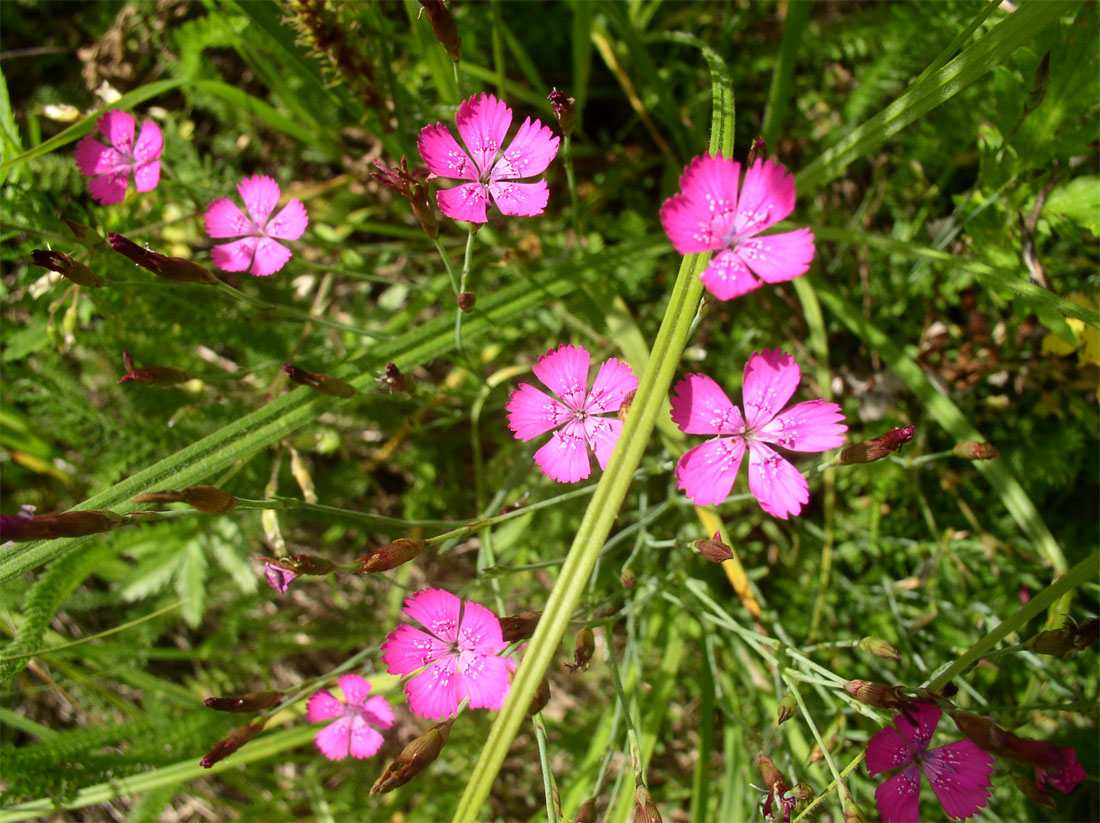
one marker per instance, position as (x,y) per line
(1065,773)
(256,250)
(110,166)
(279,578)
(532,412)
(483,122)
(356,719)
(959,772)
(706,472)
(459,648)
(709,215)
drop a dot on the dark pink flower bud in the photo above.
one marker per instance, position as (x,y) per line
(757,151)
(68,268)
(279,578)
(585,648)
(177,269)
(587,812)
(541,698)
(398,380)
(390,556)
(519,626)
(22,528)
(251,702)
(876,448)
(413,758)
(150,375)
(237,738)
(466,301)
(713,549)
(879,695)
(444,26)
(412,189)
(565,110)
(973,450)
(205,499)
(323,383)
(879,648)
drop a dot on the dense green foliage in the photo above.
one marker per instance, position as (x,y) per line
(951,179)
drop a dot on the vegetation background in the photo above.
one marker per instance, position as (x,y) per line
(946,158)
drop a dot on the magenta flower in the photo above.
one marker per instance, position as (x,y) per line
(459,645)
(357,719)
(532,412)
(258,250)
(110,166)
(706,472)
(279,578)
(483,122)
(709,215)
(959,772)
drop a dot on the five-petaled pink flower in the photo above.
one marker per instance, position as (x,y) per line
(110,166)
(710,215)
(532,412)
(706,472)
(483,122)
(357,718)
(959,772)
(459,645)
(258,249)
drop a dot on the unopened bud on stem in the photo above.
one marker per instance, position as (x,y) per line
(444,26)
(251,702)
(466,301)
(585,648)
(879,648)
(237,738)
(24,528)
(177,269)
(323,383)
(876,448)
(645,809)
(713,549)
(565,110)
(151,375)
(205,499)
(67,267)
(390,556)
(413,758)
(787,708)
(973,450)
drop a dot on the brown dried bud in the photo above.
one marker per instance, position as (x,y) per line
(628,579)
(585,648)
(879,648)
(24,528)
(878,695)
(251,702)
(390,556)
(787,708)
(237,738)
(150,375)
(973,450)
(323,383)
(982,731)
(541,698)
(1066,641)
(757,151)
(466,301)
(587,812)
(412,189)
(852,814)
(301,564)
(519,626)
(413,758)
(565,110)
(713,549)
(876,448)
(773,778)
(67,267)
(625,407)
(1028,787)
(645,809)
(177,269)
(206,499)
(444,26)
(397,380)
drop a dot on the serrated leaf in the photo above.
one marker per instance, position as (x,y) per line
(225,538)
(191,583)
(153,575)
(1077,201)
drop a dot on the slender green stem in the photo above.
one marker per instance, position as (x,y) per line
(446,264)
(462,282)
(289,311)
(567,161)
(793,687)
(548,786)
(631,726)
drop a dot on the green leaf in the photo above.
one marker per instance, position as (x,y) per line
(191,582)
(1077,201)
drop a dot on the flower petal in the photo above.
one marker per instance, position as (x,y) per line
(365,741)
(434,693)
(927,717)
(436,610)
(147,176)
(408,648)
(778,486)
(775,258)
(377,712)
(289,223)
(530,152)
(334,740)
(271,255)
(355,689)
(565,372)
(224,218)
(484,680)
(699,217)
(1069,773)
(602,433)
(235,256)
(565,457)
(92,157)
(532,412)
(813,426)
(483,123)
(767,196)
(480,630)
(323,706)
(726,276)
(706,472)
(960,776)
(699,406)
(771,376)
(520,199)
(614,381)
(118,128)
(888,750)
(260,195)
(898,799)
(466,202)
(442,154)
(150,143)
(109,189)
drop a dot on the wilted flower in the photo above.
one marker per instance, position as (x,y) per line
(68,268)
(397,380)
(444,26)
(323,383)
(251,702)
(177,269)
(876,448)
(109,167)
(412,189)
(356,717)
(565,110)
(24,527)
(390,556)
(413,758)
(279,578)
(258,250)
(205,499)
(237,738)
(150,375)
(584,649)
(519,626)
(713,549)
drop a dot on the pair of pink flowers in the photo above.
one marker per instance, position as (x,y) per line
(699,406)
